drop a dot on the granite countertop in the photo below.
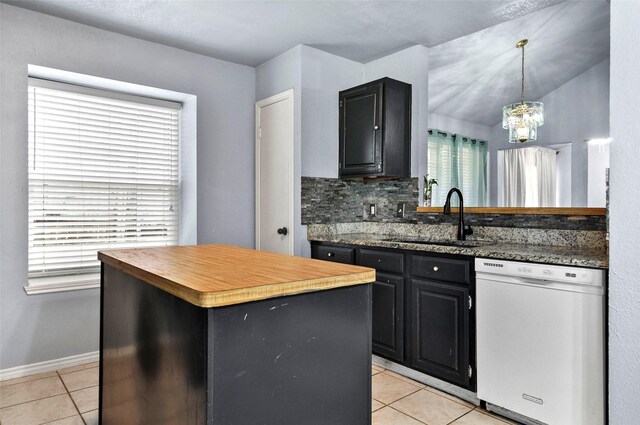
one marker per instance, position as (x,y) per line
(560,255)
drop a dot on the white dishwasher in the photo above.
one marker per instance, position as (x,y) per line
(541,341)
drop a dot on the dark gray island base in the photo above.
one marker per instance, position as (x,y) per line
(297,359)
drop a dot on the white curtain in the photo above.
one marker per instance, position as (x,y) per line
(527,177)
(457,161)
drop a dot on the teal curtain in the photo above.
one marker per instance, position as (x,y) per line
(472,170)
(440,147)
(457,161)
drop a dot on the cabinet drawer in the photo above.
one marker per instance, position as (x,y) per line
(337,254)
(441,269)
(382,261)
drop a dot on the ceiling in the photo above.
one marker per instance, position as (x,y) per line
(474,67)
(473,77)
(251,32)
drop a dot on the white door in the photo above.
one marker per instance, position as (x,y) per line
(274,173)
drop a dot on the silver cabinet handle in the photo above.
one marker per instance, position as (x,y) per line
(375,127)
(435,268)
(330,254)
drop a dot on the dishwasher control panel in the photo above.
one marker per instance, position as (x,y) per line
(568,274)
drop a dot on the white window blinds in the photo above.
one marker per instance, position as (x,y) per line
(103,173)
(457,161)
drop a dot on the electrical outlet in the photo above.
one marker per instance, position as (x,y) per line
(400,209)
(372,210)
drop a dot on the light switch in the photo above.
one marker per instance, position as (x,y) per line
(372,209)
(400,209)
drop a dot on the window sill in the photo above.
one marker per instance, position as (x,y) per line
(46,285)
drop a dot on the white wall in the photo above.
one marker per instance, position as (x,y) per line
(563,175)
(411,66)
(624,245)
(598,160)
(574,112)
(42,327)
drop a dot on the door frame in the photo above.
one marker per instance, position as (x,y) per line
(285,95)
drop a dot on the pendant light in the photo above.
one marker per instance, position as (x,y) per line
(523,118)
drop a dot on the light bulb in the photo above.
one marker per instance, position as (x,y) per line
(523,134)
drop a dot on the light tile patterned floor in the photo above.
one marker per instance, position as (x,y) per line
(398,400)
(70,397)
(65,397)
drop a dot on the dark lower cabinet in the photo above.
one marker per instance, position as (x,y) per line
(388,316)
(423,315)
(388,312)
(440,330)
(337,254)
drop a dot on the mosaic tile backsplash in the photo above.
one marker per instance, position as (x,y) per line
(326,201)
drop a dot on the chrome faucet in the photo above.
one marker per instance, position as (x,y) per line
(463,230)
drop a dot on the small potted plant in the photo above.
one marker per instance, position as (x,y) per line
(428,189)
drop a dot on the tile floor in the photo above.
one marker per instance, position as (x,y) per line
(70,397)
(398,400)
(64,397)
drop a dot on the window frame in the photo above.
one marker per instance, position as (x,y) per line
(69,282)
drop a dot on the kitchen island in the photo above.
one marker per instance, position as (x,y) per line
(227,335)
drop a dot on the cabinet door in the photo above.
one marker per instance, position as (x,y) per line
(388,316)
(360,133)
(440,330)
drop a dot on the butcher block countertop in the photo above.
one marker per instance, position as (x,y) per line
(221,275)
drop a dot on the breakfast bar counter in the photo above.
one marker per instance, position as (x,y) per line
(227,335)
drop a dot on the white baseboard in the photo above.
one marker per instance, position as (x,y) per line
(49,365)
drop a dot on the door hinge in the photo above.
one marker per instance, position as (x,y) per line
(259,133)
(470,302)
(379,165)
(341,104)
(470,371)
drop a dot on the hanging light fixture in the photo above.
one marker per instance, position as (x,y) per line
(523,118)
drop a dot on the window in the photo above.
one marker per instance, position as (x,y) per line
(457,161)
(103,173)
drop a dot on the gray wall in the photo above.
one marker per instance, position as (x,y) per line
(282,73)
(323,75)
(42,327)
(465,128)
(316,78)
(624,247)
(410,65)
(574,112)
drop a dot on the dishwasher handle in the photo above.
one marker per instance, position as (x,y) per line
(539,283)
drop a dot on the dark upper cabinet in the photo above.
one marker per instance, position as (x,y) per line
(375,130)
